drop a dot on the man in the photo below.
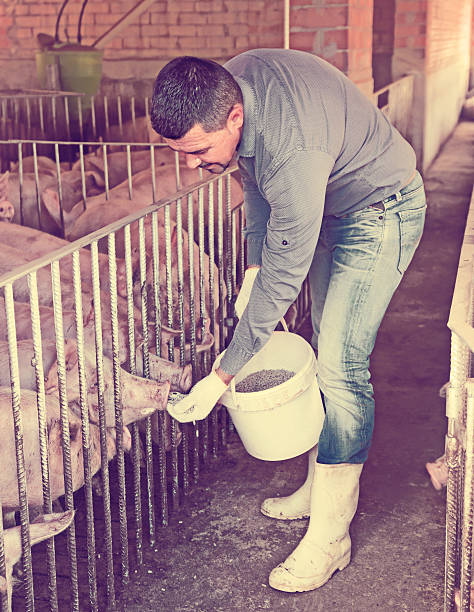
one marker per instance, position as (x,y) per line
(331,191)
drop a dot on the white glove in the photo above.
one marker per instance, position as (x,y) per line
(200,400)
(245,291)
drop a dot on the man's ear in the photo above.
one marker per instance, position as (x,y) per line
(236,116)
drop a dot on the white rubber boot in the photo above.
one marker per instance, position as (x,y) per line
(326,546)
(296,505)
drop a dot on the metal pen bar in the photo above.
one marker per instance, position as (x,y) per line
(146,374)
(4,603)
(65,432)
(136,441)
(163,488)
(19,450)
(86,434)
(468,503)
(109,559)
(43,434)
(118,408)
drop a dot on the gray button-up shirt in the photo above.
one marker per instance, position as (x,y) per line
(312,144)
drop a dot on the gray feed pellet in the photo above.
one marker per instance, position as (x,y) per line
(263,379)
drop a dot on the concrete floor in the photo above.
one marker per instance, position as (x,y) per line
(218,550)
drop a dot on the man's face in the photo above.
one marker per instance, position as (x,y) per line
(211,150)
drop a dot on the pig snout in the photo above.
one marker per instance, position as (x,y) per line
(142,397)
(7,211)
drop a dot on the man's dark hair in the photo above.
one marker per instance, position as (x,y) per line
(190,90)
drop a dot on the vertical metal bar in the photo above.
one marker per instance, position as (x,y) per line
(28,115)
(455,400)
(220,261)
(118,407)
(41,115)
(60,188)
(163,488)
(119,115)
(129,172)
(42,434)
(212,306)
(192,329)
(66,442)
(20,180)
(204,425)
(106,171)
(66,116)
(3,567)
(37,184)
(93,118)
(54,115)
(83,175)
(182,340)
(136,442)
(106,115)
(132,111)
(468,505)
(86,440)
(110,583)
(146,374)
(169,295)
(20,459)
(79,112)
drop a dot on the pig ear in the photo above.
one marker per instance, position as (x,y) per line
(51,202)
(48,525)
(4,186)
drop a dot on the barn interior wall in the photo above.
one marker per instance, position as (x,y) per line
(430,39)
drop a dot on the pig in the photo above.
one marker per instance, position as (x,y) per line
(117,163)
(79,222)
(26,208)
(7,210)
(11,258)
(43,527)
(140,397)
(23,321)
(35,243)
(26,361)
(29,411)
(44,164)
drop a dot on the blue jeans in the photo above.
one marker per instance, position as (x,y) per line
(358,263)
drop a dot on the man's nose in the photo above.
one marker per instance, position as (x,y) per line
(192,161)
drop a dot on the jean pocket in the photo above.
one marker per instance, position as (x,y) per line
(411,230)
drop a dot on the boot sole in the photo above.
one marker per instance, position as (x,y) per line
(305,584)
(280,517)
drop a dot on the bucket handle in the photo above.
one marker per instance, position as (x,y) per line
(232,382)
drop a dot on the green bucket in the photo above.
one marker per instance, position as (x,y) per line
(80,70)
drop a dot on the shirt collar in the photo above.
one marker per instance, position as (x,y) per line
(247,141)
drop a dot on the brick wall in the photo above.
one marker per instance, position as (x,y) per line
(448,27)
(339,31)
(210,28)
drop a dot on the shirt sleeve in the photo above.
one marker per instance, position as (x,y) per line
(294,191)
(257,214)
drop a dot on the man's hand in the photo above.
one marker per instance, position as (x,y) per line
(200,400)
(244,293)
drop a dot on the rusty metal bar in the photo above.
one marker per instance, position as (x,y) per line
(20,458)
(43,434)
(64,416)
(109,558)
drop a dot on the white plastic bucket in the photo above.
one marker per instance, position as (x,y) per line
(283,421)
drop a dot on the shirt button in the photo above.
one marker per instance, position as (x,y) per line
(299,147)
(284,242)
